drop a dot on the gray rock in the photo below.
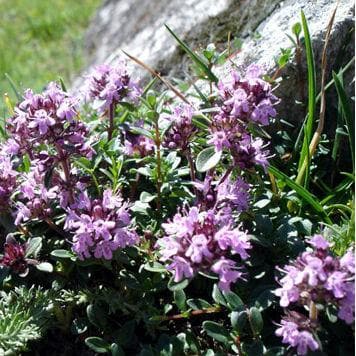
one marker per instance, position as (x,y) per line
(137,26)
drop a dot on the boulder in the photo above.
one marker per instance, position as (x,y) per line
(137,26)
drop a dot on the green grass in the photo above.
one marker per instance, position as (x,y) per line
(40,40)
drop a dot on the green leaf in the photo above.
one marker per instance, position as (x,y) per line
(207,159)
(331,312)
(253,349)
(297,29)
(256,320)
(13,87)
(97,344)
(151,98)
(174,286)
(308,128)
(146,197)
(45,267)
(238,320)
(197,60)
(179,299)
(62,253)
(96,316)
(201,121)
(233,300)
(218,296)
(260,204)
(217,331)
(198,304)
(126,333)
(34,246)
(154,267)
(79,326)
(4,271)
(63,86)
(141,131)
(116,350)
(302,192)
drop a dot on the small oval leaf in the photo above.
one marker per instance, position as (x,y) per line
(97,344)
(45,267)
(216,331)
(256,320)
(207,159)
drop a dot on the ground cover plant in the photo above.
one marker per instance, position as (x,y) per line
(150,220)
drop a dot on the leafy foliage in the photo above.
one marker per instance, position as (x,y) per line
(137,224)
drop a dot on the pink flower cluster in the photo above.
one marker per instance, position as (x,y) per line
(227,196)
(198,242)
(48,118)
(244,101)
(108,85)
(320,278)
(46,131)
(14,257)
(7,178)
(181,128)
(291,334)
(99,226)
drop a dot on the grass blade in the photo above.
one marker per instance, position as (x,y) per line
(347,113)
(308,128)
(197,60)
(327,86)
(302,192)
(13,87)
(309,146)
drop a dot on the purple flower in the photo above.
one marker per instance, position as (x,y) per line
(67,109)
(202,240)
(169,247)
(47,118)
(181,129)
(262,112)
(99,226)
(227,272)
(289,292)
(243,101)
(319,242)
(348,261)
(109,85)
(181,268)
(220,139)
(336,283)
(42,121)
(8,179)
(347,304)
(303,340)
(234,194)
(288,330)
(14,258)
(235,240)
(318,277)
(199,249)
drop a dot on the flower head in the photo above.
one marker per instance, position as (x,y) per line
(198,241)
(111,84)
(99,226)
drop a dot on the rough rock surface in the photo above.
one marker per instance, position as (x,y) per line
(137,26)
